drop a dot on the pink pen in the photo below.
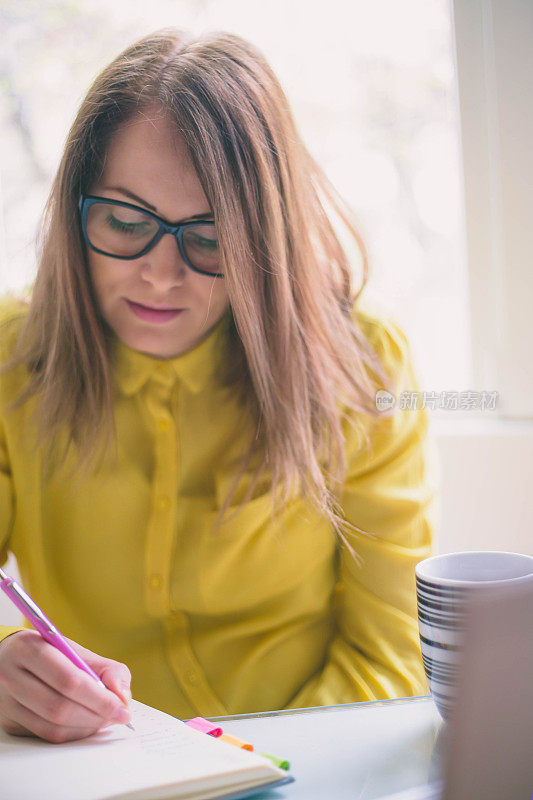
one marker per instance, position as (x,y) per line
(42,624)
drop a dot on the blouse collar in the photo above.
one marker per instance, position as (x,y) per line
(193,368)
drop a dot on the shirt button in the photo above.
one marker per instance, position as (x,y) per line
(155,581)
(163,502)
(192,677)
(163,425)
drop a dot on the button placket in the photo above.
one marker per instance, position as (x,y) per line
(161,528)
(188,670)
(160,394)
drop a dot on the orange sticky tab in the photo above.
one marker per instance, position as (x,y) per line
(226,737)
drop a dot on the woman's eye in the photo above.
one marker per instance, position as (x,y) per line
(128,227)
(201,241)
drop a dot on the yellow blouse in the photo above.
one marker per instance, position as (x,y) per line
(263,615)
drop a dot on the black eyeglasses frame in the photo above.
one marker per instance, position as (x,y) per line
(87,200)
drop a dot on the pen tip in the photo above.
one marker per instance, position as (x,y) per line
(130,726)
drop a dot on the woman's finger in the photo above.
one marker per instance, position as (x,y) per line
(53,668)
(114,674)
(24,722)
(51,705)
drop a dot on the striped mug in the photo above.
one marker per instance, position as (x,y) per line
(443,586)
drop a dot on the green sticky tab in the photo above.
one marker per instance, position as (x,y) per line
(279,762)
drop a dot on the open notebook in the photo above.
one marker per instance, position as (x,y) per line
(162,759)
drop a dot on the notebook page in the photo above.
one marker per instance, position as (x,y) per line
(162,751)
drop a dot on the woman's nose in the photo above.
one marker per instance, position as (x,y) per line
(163,266)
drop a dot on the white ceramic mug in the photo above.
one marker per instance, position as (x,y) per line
(443,585)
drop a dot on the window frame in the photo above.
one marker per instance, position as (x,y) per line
(494,68)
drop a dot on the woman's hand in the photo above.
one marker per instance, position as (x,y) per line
(43,694)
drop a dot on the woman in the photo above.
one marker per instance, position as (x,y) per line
(195,479)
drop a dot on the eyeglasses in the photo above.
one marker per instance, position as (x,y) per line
(125,231)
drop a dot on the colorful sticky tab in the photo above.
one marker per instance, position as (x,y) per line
(203,725)
(279,762)
(226,737)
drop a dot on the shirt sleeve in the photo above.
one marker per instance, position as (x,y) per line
(389,494)
(6,517)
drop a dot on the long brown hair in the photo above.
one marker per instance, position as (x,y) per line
(297,356)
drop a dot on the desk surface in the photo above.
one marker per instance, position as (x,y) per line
(359,751)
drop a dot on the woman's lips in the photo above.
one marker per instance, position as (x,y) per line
(154,314)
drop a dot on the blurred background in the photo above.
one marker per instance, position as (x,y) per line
(373,90)
(420,112)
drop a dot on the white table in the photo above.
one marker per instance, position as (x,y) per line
(358,751)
